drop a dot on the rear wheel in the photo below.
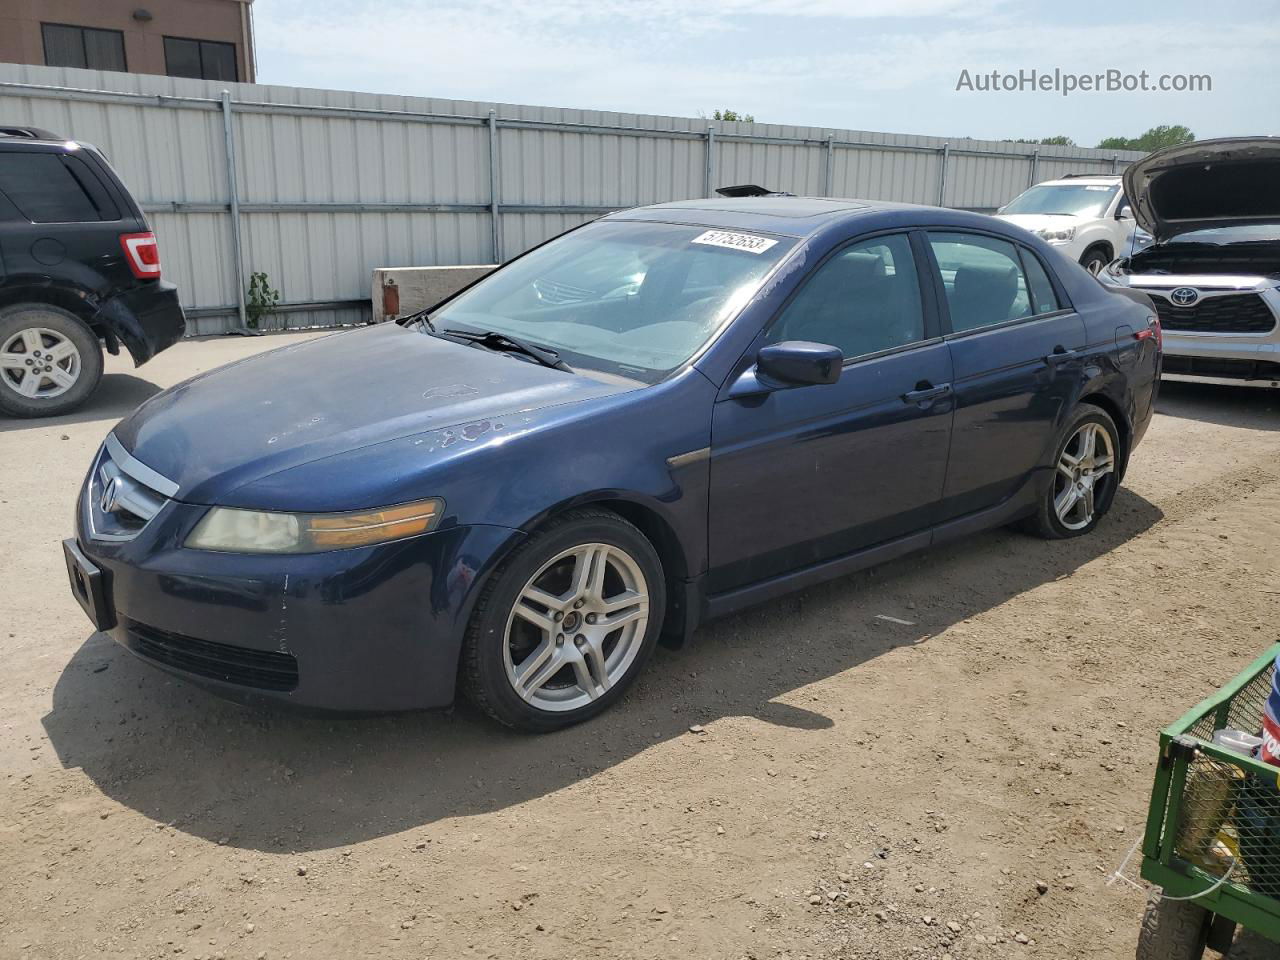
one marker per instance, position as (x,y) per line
(1085,478)
(50,361)
(1250,945)
(565,624)
(1173,930)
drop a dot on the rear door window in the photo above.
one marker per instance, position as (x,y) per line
(54,188)
(983,278)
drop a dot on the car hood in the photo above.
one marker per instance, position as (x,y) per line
(276,411)
(1039,221)
(1209,183)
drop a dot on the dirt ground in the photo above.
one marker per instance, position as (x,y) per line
(859,787)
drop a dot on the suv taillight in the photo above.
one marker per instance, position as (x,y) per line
(142,253)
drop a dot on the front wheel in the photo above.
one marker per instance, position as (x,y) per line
(565,624)
(1085,477)
(1094,260)
(1172,930)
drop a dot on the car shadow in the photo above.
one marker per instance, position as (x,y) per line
(268,778)
(1254,407)
(117,395)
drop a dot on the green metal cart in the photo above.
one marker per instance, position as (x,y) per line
(1212,841)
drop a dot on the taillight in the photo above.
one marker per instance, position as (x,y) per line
(142,253)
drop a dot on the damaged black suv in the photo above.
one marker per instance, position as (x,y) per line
(1213,271)
(79,268)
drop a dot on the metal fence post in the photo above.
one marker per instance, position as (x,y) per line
(1035,168)
(827,186)
(495,216)
(710,172)
(1115,163)
(229,136)
(942,174)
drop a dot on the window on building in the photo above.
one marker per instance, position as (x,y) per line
(68,46)
(202,59)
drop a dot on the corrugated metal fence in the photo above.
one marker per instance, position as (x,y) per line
(316,188)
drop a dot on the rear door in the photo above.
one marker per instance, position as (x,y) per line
(804,474)
(1015,345)
(68,221)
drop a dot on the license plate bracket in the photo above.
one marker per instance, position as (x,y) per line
(88,586)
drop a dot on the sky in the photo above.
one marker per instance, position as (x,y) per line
(878,65)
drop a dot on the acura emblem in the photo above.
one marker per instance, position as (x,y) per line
(1184,296)
(107,502)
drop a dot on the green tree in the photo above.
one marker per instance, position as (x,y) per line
(1154,139)
(1059,141)
(733,115)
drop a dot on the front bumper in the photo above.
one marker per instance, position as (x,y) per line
(367,629)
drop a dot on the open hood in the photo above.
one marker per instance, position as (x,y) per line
(1208,183)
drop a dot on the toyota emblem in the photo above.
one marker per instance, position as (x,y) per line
(1184,296)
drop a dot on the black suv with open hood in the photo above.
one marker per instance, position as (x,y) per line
(1213,272)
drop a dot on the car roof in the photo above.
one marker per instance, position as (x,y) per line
(800,217)
(1110,179)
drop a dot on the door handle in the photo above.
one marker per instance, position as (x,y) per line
(1060,355)
(925,393)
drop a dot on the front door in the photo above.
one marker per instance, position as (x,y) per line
(1017,362)
(805,474)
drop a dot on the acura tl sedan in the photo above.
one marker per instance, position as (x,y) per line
(657,418)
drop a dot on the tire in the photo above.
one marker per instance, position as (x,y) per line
(540,623)
(1094,260)
(1172,930)
(32,333)
(1251,945)
(1093,482)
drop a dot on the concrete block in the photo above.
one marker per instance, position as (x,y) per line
(399,291)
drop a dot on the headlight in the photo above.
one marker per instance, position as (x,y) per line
(1057,236)
(256,531)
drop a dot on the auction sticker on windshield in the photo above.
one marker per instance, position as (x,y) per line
(735,241)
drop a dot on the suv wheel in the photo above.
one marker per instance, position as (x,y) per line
(1085,477)
(565,624)
(50,361)
(1094,260)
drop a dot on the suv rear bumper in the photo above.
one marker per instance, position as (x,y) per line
(146,318)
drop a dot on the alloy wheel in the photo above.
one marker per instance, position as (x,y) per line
(1087,463)
(576,627)
(39,363)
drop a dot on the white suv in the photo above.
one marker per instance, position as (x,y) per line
(1086,217)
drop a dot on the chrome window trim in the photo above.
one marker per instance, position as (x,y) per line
(138,470)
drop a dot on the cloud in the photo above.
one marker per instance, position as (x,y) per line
(869,65)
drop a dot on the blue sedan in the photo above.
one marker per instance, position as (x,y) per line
(663,416)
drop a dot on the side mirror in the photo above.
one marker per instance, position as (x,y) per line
(1123,212)
(799,362)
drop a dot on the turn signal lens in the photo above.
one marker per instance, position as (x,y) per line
(255,531)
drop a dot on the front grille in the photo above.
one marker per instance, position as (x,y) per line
(1223,367)
(121,495)
(261,669)
(1229,313)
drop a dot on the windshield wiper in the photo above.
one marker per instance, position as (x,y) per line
(420,315)
(495,340)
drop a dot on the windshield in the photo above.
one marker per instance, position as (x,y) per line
(1256,232)
(630,298)
(1068,199)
